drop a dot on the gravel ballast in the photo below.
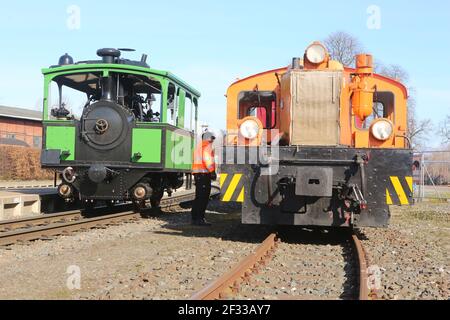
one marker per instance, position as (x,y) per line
(167,258)
(312,265)
(158,258)
(412,255)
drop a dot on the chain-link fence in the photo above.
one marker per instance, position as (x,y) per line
(432,175)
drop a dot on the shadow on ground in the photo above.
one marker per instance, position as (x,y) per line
(226,224)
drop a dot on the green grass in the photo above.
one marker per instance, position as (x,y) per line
(425,211)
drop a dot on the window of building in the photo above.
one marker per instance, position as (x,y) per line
(37,141)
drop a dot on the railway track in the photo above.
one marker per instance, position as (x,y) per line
(364,292)
(27,186)
(228,284)
(46,226)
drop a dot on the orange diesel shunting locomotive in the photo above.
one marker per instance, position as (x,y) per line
(317,143)
(372,109)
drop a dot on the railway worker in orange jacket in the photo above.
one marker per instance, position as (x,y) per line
(204,171)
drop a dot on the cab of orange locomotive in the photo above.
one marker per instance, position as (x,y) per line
(111,127)
(317,143)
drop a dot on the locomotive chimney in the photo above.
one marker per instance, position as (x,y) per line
(108,55)
(108,84)
(109,88)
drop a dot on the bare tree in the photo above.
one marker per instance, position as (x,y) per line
(444,130)
(343,47)
(417,129)
(393,71)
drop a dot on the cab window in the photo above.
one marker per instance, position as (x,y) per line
(188,112)
(259,104)
(383,107)
(70,94)
(172,105)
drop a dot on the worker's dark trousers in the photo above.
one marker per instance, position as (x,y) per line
(202,193)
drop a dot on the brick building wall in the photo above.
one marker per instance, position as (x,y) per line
(25,130)
(20,125)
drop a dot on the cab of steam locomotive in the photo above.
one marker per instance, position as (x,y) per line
(116,129)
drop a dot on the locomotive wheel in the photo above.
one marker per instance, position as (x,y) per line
(88,207)
(138,206)
(155,199)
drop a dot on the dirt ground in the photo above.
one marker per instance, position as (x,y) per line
(167,258)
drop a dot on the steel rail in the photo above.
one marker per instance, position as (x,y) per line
(8,225)
(241,272)
(364,292)
(58,228)
(43,186)
(229,282)
(34,228)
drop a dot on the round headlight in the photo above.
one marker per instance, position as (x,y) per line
(249,129)
(65,190)
(316,53)
(382,129)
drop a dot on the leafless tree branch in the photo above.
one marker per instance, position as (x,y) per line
(444,130)
(343,47)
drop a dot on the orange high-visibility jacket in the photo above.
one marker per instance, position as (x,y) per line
(204,161)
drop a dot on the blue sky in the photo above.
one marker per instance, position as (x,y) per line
(211,43)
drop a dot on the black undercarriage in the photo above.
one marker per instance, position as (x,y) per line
(317,186)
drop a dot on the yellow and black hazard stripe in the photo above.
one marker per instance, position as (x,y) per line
(232,187)
(399,190)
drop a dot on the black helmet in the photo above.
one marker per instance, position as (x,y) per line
(208,136)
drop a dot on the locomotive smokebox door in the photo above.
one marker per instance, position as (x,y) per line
(314,182)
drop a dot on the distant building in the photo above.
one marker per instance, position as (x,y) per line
(20,127)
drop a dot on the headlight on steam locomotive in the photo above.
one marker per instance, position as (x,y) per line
(249,129)
(316,53)
(382,129)
(65,190)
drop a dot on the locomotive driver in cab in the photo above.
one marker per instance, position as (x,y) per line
(204,171)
